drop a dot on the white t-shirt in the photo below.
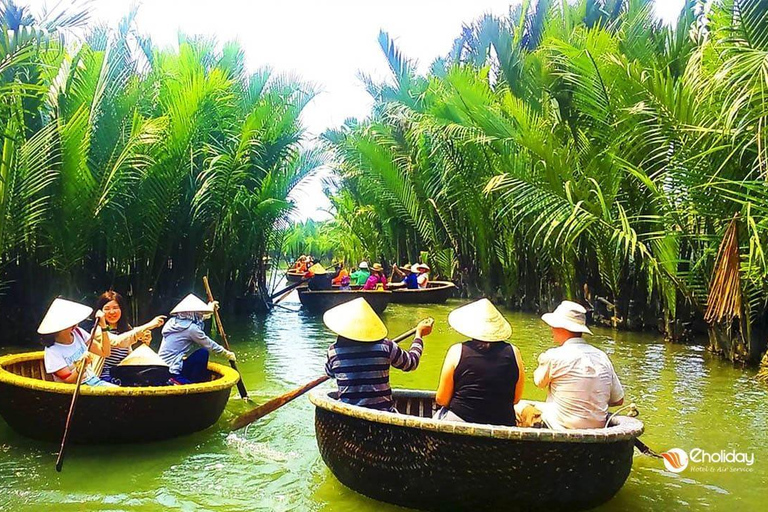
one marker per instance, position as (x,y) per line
(59,355)
(423,279)
(581,382)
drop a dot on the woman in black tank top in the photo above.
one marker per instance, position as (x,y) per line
(482,378)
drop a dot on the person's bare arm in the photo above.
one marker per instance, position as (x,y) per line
(521,379)
(104,348)
(445,387)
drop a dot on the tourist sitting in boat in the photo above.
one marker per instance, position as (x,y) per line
(183,334)
(409,273)
(301,264)
(580,380)
(360,357)
(482,378)
(359,277)
(341,273)
(344,285)
(377,279)
(423,277)
(66,343)
(121,335)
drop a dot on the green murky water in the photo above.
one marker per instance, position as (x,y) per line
(686,397)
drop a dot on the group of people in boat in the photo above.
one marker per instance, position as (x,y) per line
(183,355)
(367,277)
(483,378)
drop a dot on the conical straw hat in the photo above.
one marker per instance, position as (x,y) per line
(317,269)
(142,356)
(480,321)
(63,314)
(191,304)
(355,320)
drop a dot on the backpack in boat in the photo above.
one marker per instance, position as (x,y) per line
(132,376)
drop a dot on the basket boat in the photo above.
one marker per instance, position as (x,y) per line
(321,301)
(411,460)
(36,407)
(294,276)
(436,292)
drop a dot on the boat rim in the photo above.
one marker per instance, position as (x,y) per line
(441,285)
(228,379)
(304,290)
(624,429)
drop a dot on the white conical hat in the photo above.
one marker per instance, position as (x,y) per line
(480,320)
(568,315)
(192,304)
(355,320)
(142,356)
(63,314)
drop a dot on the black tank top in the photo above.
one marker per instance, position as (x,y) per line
(484,384)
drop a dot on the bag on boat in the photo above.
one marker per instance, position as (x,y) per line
(142,367)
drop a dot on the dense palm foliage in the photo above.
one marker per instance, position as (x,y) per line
(127,166)
(580,150)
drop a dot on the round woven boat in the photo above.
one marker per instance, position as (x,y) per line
(294,276)
(436,292)
(322,300)
(412,460)
(36,407)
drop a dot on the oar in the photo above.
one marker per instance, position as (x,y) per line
(73,403)
(645,450)
(240,386)
(289,288)
(259,412)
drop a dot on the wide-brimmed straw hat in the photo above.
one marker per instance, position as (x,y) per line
(480,321)
(415,267)
(355,320)
(317,270)
(377,267)
(63,314)
(422,265)
(363,264)
(407,267)
(143,356)
(568,315)
(192,304)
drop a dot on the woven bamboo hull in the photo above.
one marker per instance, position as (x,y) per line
(322,301)
(437,293)
(293,276)
(431,465)
(37,408)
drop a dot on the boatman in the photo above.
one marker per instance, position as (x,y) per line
(360,357)
(580,380)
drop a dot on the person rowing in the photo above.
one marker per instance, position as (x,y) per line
(482,378)
(409,273)
(319,278)
(361,356)
(580,380)
(66,343)
(185,346)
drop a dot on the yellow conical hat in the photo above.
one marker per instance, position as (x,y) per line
(355,320)
(192,304)
(63,314)
(317,269)
(480,321)
(142,356)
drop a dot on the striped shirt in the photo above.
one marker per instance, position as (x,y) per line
(361,370)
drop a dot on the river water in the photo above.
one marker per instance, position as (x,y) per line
(687,398)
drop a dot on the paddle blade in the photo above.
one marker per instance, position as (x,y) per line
(259,412)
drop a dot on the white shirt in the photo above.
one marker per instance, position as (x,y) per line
(581,383)
(423,279)
(59,355)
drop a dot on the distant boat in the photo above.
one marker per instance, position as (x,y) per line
(436,292)
(321,301)
(294,276)
(411,460)
(36,407)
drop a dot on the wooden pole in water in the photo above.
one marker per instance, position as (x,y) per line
(240,385)
(276,403)
(73,403)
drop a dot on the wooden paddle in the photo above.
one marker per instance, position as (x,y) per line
(73,403)
(240,386)
(276,403)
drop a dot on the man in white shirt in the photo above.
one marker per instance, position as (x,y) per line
(579,378)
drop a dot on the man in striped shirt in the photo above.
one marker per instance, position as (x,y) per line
(360,358)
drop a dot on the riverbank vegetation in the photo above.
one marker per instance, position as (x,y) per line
(129,166)
(581,150)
